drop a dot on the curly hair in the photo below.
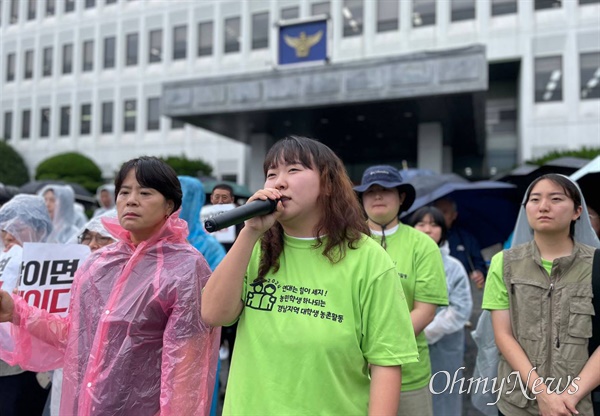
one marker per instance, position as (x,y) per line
(342,220)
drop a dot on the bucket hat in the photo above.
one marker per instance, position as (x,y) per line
(387,177)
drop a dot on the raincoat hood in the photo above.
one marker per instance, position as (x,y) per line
(64,213)
(26,218)
(191,205)
(95,225)
(584,233)
(110,188)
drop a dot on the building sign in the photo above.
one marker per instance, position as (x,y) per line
(303,42)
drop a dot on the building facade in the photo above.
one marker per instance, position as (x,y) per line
(92,76)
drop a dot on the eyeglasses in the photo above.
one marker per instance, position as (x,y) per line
(87,238)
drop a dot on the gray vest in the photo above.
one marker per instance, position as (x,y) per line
(551,318)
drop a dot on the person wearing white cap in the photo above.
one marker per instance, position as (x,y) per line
(420,268)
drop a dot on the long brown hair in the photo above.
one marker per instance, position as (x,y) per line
(342,222)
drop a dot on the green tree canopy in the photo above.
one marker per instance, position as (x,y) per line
(13,170)
(583,153)
(71,167)
(184,166)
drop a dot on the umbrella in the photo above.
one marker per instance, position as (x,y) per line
(486,209)
(82,195)
(525,174)
(240,191)
(588,179)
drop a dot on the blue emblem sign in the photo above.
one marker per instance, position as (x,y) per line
(303,42)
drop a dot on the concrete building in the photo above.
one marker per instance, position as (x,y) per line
(470,86)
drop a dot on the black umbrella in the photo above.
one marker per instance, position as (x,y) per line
(487,209)
(588,179)
(82,195)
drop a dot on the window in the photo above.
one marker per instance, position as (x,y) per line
(44,122)
(153,114)
(14,11)
(547,4)
(129,115)
(67,64)
(353,17)
(111,1)
(155,46)
(50,7)
(8,125)
(47,62)
(69,6)
(500,7)
(86,119)
(205,39)
(88,56)
(581,2)
(320,8)
(90,3)
(28,64)
(31,9)
(107,117)
(109,52)
(463,10)
(179,42)
(387,15)
(423,13)
(232,34)
(65,120)
(131,53)
(548,79)
(290,13)
(26,124)
(589,75)
(10,67)
(260,30)
(177,124)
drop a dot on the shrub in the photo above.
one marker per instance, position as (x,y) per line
(583,153)
(71,167)
(184,166)
(13,170)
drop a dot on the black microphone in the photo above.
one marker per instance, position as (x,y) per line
(240,214)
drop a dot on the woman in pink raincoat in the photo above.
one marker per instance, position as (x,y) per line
(134,342)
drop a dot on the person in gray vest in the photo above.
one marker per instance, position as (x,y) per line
(540,296)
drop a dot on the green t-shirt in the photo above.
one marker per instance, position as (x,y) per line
(421,270)
(306,335)
(495,295)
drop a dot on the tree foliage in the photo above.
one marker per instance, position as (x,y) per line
(583,153)
(184,166)
(71,167)
(13,170)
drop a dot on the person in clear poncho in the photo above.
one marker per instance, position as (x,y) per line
(539,293)
(133,342)
(105,195)
(23,219)
(193,200)
(60,201)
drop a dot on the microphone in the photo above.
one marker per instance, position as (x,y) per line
(240,214)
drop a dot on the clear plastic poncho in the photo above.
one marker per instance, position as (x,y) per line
(193,200)
(110,188)
(65,219)
(133,342)
(95,225)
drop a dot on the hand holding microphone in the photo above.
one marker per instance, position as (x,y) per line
(253,208)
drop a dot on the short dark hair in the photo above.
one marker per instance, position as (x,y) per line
(152,172)
(224,187)
(436,215)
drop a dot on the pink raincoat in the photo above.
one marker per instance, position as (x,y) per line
(134,342)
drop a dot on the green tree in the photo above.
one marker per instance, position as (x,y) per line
(583,153)
(71,167)
(13,170)
(184,166)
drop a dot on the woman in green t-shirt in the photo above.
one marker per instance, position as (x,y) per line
(323,327)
